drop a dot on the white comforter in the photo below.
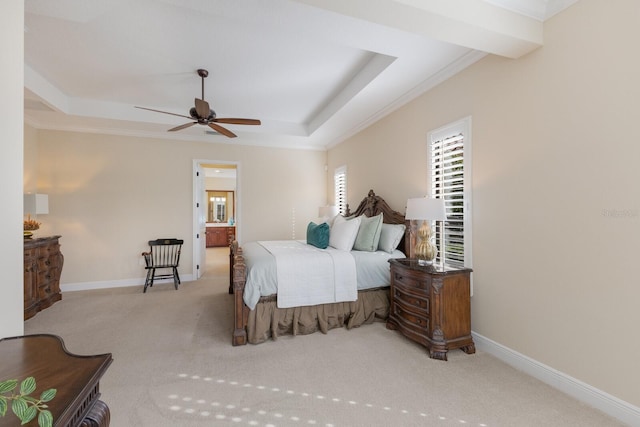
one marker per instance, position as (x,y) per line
(372,270)
(309,276)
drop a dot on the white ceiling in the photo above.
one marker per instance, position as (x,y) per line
(313,71)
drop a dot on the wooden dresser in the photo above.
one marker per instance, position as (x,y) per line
(42,268)
(431,306)
(76,379)
(220,236)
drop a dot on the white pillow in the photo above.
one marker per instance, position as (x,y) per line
(343,233)
(390,237)
(368,237)
(330,220)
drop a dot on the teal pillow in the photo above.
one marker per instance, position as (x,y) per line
(368,234)
(318,235)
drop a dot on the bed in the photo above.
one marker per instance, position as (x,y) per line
(261,309)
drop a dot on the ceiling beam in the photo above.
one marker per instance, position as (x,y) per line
(474,24)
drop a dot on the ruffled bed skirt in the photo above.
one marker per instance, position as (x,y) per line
(268,321)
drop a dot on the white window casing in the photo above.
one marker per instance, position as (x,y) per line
(449,165)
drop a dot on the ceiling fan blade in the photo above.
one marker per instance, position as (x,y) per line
(222,130)
(202,108)
(184,126)
(238,121)
(163,112)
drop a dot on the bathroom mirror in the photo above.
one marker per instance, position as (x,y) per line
(220,205)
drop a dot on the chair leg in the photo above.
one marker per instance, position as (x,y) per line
(147,281)
(153,276)
(176,278)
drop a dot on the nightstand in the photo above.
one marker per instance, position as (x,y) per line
(431,306)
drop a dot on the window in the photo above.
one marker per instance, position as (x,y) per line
(450,173)
(219,205)
(221,208)
(340,189)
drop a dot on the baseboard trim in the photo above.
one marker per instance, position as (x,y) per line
(611,405)
(90,286)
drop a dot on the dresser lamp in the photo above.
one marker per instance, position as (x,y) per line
(425,209)
(36,204)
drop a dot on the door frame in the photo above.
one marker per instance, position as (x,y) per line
(199,207)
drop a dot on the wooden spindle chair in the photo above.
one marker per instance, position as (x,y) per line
(163,254)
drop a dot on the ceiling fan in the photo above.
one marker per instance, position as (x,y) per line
(203,115)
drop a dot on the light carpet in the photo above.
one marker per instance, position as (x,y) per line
(174,365)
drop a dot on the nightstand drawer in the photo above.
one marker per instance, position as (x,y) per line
(30,252)
(410,319)
(408,296)
(410,279)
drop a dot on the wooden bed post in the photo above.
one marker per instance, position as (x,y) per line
(241,311)
(233,247)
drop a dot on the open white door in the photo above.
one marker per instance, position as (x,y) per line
(200,206)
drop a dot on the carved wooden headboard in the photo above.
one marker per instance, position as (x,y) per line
(373,205)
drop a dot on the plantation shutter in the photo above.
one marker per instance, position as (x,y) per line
(340,189)
(447,166)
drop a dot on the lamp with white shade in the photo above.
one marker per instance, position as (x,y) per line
(327,212)
(36,204)
(425,209)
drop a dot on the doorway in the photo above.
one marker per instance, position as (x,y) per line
(216,214)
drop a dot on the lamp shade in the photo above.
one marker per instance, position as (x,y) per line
(327,211)
(426,209)
(36,204)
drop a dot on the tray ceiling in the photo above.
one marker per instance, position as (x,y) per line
(313,71)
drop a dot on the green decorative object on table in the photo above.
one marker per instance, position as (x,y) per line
(23,405)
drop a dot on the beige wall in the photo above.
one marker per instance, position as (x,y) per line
(556,205)
(30,183)
(109,195)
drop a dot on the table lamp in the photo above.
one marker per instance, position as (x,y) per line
(36,204)
(425,209)
(327,212)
